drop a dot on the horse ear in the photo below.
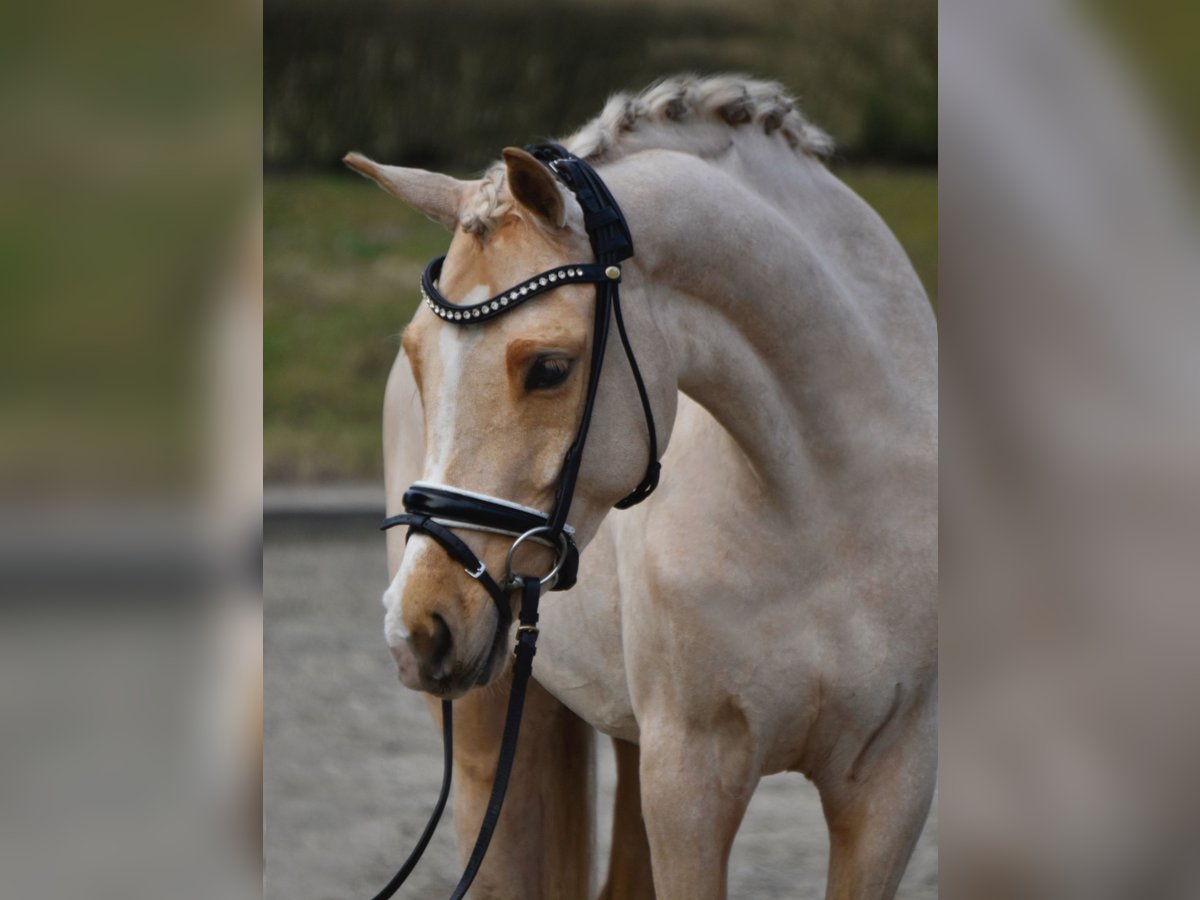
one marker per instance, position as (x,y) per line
(532,186)
(439,197)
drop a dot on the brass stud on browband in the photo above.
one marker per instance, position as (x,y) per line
(613,272)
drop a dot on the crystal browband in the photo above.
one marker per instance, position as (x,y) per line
(579,273)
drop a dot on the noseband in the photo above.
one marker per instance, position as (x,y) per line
(437,511)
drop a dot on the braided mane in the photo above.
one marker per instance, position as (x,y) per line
(666,115)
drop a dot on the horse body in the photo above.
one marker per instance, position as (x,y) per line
(772,606)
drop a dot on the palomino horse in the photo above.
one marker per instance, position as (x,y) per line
(772,606)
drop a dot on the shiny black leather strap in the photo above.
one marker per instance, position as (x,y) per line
(653,468)
(572,462)
(458,550)
(444,502)
(527,635)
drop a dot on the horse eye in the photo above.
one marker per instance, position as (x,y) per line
(547,372)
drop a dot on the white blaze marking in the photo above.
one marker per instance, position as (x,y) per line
(393,620)
(455,343)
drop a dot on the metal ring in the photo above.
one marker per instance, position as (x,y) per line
(511,579)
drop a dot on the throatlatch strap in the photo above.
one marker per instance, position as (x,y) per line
(650,480)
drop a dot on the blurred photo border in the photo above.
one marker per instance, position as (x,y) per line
(131,454)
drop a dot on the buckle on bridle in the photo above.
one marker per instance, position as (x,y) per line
(478,573)
(557,166)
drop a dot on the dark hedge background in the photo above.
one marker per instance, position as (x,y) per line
(447,83)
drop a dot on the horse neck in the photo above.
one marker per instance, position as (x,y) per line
(790,313)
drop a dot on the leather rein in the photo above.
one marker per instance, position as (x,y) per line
(437,511)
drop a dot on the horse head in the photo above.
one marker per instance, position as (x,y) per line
(502,401)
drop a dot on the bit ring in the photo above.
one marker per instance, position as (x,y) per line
(512,579)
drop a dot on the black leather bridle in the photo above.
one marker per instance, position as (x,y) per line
(437,511)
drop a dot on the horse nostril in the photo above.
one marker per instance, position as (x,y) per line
(440,646)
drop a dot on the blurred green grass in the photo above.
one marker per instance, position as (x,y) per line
(341,265)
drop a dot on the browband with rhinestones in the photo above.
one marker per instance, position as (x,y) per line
(579,273)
